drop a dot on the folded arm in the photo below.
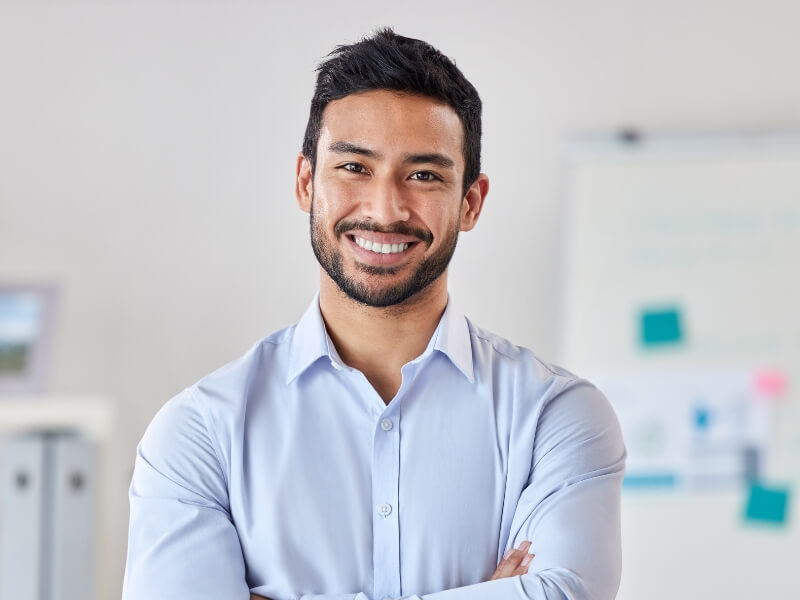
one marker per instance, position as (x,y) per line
(569,509)
(182,542)
(514,563)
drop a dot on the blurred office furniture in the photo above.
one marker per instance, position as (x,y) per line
(48,495)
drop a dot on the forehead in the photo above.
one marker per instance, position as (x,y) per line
(389,122)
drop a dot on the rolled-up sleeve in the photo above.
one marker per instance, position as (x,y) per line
(570,507)
(181,540)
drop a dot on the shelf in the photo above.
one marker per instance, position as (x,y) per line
(89,415)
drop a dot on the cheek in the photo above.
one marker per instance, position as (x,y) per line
(443,225)
(335,200)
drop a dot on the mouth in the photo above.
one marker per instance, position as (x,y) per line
(378,247)
(381,249)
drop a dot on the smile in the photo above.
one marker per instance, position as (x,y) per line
(379,248)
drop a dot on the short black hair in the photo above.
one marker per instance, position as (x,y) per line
(387,61)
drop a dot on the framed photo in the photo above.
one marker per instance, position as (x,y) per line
(26,317)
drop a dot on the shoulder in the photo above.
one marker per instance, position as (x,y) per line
(496,353)
(263,354)
(546,397)
(220,398)
(227,389)
(558,418)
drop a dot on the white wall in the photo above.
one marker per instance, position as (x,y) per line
(147,152)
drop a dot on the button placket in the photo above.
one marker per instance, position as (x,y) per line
(385,486)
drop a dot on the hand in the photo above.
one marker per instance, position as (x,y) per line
(515,562)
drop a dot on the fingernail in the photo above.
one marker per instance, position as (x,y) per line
(526,544)
(527,560)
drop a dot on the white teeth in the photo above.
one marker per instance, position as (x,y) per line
(380,248)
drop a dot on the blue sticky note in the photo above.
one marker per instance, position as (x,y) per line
(767,504)
(702,418)
(660,327)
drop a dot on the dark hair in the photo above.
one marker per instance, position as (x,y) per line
(392,62)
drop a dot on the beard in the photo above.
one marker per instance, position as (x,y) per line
(380,296)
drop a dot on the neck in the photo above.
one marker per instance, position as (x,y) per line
(379,341)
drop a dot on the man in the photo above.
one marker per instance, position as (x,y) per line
(385,446)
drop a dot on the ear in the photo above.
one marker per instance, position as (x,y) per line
(304,182)
(473,202)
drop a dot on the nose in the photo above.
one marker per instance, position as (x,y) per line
(385,202)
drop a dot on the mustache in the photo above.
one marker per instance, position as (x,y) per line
(402,228)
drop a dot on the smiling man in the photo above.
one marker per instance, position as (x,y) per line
(384,446)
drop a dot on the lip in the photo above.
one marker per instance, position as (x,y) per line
(373,258)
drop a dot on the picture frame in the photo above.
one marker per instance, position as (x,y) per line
(26,327)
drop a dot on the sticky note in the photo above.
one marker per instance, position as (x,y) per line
(702,418)
(770,384)
(660,327)
(767,504)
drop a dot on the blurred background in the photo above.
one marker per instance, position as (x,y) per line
(149,234)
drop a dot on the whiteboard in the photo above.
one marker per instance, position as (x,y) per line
(707,231)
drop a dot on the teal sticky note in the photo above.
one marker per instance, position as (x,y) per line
(660,327)
(767,504)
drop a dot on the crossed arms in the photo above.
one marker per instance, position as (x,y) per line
(514,562)
(183,541)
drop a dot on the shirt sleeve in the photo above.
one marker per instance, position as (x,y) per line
(181,539)
(569,509)
(182,542)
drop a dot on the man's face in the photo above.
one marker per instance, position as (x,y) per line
(386,198)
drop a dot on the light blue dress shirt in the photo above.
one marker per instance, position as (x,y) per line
(285,474)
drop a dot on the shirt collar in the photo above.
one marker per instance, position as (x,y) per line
(311,341)
(452,338)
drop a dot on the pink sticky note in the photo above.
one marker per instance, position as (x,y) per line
(770,384)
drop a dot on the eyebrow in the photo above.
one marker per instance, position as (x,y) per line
(350,148)
(440,160)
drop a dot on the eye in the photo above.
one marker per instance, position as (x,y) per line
(353,168)
(425,176)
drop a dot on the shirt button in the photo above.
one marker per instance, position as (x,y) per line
(385,510)
(386,424)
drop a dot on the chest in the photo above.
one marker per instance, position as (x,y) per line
(343,495)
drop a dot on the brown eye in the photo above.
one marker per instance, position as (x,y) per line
(353,168)
(424,176)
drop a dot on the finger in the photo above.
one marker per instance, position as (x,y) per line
(511,561)
(524,565)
